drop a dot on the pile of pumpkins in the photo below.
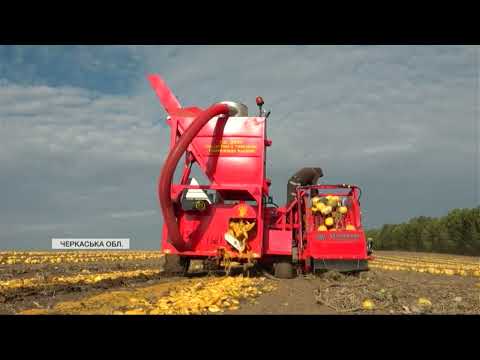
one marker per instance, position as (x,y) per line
(332,211)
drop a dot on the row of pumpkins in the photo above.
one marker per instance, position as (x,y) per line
(332,210)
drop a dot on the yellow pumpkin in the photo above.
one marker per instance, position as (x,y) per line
(350,227)
(343,210)
(322,228)
(329,221)
(333,201)
(319,206)
(326,210)
(368,304)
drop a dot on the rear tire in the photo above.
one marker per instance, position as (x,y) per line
(176,265)
(283,270)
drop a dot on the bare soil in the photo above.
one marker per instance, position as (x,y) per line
(390,292)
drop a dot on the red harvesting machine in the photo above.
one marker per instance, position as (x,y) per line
(233,218)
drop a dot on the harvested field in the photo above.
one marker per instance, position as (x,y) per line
(134,283)
(439,264)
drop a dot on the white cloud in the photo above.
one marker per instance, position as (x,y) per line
(111,128)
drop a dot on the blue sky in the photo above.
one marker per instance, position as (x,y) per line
(83,136)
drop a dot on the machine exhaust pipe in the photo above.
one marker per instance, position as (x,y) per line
(166,176)
(303,177)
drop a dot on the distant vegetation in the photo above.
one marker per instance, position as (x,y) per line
(456,233)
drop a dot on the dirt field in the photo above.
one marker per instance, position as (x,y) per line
(134,283)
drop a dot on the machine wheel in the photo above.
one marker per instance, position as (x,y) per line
(176,265)
(283,270)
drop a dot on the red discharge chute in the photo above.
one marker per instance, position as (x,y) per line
(166,176)
(164,94)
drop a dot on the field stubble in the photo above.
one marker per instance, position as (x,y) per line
(131,282)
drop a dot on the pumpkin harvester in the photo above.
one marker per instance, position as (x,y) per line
(232,216)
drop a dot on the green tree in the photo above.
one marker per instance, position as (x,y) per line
(457,232)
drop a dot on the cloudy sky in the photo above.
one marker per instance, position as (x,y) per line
(82,136)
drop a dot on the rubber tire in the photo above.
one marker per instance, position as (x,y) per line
(176,265)
(283,270)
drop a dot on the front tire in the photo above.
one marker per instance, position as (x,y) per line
(283,270)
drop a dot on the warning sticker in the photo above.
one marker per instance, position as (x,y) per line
(231,147)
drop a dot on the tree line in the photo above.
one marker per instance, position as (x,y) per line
(456,233)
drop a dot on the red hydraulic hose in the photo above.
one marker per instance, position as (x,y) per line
(166,176)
